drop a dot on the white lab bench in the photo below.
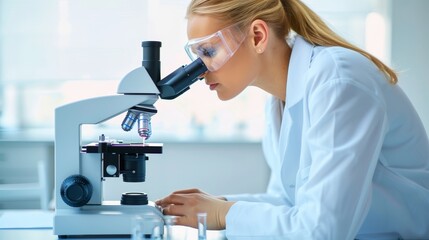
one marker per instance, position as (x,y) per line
(37,225)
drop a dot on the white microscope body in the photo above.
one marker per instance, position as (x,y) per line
(81,170)
(96,217)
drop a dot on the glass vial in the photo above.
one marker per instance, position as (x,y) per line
(202,226)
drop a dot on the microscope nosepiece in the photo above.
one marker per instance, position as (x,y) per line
(142,114)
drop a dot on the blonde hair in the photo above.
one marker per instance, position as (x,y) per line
(282,16)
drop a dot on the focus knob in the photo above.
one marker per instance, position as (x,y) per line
(76,190)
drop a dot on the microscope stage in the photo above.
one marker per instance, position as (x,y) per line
(123,148)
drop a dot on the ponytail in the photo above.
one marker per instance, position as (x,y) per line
(310,26)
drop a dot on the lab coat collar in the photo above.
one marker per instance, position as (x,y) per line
(299,64)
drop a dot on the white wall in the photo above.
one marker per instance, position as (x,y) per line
(217,168)
(410,51)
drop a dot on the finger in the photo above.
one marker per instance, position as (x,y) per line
(159,202)
(187,191)
(175,210)
(171,199)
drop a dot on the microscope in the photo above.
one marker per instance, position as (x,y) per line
(80,170)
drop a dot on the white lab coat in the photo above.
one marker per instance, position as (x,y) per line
(348,155)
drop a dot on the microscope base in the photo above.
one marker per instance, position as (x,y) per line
(109,219)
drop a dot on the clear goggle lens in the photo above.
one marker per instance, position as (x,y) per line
(216,49)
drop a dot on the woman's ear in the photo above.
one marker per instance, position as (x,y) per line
(259,32)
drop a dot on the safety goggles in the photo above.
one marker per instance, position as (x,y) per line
(216,49)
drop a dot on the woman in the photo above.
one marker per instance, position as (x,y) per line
(348,154)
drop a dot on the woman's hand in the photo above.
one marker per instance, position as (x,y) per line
(187,203)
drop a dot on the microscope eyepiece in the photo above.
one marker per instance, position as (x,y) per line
(151,60)
(178,82)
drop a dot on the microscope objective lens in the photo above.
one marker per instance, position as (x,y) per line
(129,120)
(144,129)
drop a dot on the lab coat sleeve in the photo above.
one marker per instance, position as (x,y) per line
(274,194)
(347,125)
(259,197)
